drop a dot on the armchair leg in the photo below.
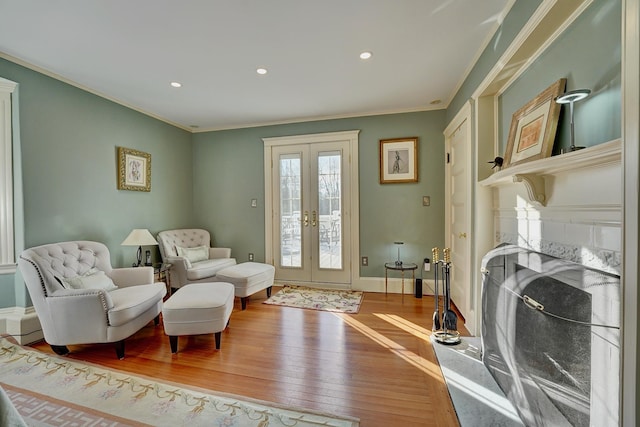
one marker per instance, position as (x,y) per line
(243,301)
(120,349)
(156,320)
(218,337)
(173,341)
(269,291)
(60,350)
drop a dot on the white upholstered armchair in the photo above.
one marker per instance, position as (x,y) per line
(80,299)
(191,256)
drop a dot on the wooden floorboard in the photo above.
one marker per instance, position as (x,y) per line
(377,365)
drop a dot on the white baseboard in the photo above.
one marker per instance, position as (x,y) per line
(22,323)
(394,285)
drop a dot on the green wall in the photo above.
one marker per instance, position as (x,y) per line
(7,290)
(229,172)
(68,147)
(69,139)
(588,57)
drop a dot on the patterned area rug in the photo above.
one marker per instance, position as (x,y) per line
(318,299)
(48,390)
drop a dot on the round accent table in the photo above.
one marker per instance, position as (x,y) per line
(401,268)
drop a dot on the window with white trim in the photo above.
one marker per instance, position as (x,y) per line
(7,246)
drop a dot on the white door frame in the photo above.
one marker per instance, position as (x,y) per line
(352,215)
(631,221)
(463,118)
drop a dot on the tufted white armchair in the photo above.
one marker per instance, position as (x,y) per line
(80,299)
(191,256)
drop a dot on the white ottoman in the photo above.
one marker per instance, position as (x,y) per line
(248,278)
(198,308)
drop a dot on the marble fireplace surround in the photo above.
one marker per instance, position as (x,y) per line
(568,207)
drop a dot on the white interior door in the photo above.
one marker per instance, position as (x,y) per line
(458,215)
(310,189)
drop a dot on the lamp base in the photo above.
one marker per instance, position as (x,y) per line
(139,257)
(571,149)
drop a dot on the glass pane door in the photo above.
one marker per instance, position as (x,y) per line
(329,211)
(290,210)
(329,208)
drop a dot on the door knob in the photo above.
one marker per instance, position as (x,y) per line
(314,220)
(462,235)
(306,218)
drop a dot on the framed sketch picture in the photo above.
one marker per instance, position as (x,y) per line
(398,160)
(533,127)
(134,170)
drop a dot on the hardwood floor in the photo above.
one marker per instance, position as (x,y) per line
(377,365)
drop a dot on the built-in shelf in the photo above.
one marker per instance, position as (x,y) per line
(532,174)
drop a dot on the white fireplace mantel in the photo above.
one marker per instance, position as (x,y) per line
(532,174)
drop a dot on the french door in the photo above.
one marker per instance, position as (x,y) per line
(310,212)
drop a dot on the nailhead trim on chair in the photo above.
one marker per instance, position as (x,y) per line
(44,289)
(67,256)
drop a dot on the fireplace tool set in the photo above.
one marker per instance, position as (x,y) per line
(445,330)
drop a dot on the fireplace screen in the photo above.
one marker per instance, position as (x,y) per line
(551,338)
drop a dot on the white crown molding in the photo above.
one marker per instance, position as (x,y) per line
(89,90)
(321,118)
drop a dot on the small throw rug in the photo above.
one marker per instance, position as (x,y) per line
(49,390)
(318,299)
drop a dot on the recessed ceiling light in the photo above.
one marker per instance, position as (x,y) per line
(176,84)
(261,71)
(366,55)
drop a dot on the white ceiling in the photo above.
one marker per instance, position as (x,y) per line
(130,51)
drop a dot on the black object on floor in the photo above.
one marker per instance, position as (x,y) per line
(418,288)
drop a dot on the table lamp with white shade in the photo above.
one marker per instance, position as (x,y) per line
(139,237)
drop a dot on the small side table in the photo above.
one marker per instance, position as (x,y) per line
(161,274)
(402,268)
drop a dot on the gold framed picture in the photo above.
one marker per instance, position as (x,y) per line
(533,127)
(398,160)
(134,170)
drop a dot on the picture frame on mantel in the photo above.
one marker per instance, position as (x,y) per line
(533,127)
(134,170)
(398,160)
